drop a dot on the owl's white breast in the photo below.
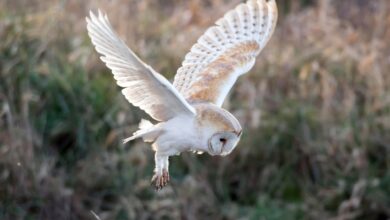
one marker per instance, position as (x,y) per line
(181,134)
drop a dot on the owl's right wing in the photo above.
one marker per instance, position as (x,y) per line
(226,51)
(143,87)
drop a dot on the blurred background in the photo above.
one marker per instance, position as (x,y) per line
(315,111)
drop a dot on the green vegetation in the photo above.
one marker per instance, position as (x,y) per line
(316,113)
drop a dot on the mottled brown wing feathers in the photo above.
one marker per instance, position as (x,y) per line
(226,51)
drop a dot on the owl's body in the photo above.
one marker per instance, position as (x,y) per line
(191,133)
(188,113)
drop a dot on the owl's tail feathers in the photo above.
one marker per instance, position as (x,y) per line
(147,131)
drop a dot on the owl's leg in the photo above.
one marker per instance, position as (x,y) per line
(161,175)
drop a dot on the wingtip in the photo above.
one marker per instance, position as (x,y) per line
(99,17)
(90,17)
(91,14)
(99,14)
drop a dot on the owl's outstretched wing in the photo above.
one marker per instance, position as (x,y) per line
(226,51)
(143,87)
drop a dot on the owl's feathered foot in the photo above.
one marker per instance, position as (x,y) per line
(161,174)
(159,181)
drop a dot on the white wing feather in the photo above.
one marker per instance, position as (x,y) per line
(233,42)
(143,87)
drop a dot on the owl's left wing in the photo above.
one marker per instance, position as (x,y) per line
(142,86)
(226,51)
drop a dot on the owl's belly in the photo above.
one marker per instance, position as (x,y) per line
(175,143)
(179,135)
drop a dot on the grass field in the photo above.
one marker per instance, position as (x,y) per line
(315,111)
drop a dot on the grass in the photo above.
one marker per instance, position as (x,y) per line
(316,113)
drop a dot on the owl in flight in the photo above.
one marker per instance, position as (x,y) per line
(188,112)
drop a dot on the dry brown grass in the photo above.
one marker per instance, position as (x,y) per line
(316,109)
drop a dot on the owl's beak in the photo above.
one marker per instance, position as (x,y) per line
(210,149)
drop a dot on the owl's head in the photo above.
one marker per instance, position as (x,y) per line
(221,129)
(223,143)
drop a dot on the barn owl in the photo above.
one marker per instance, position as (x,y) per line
(188,113)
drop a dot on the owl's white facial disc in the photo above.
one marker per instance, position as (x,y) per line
(222,143)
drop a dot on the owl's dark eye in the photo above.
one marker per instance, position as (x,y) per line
(223,140)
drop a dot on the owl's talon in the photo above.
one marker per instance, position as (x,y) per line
(166,177)
(159,181)
(153,179)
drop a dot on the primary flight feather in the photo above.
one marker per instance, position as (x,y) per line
(189,113)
